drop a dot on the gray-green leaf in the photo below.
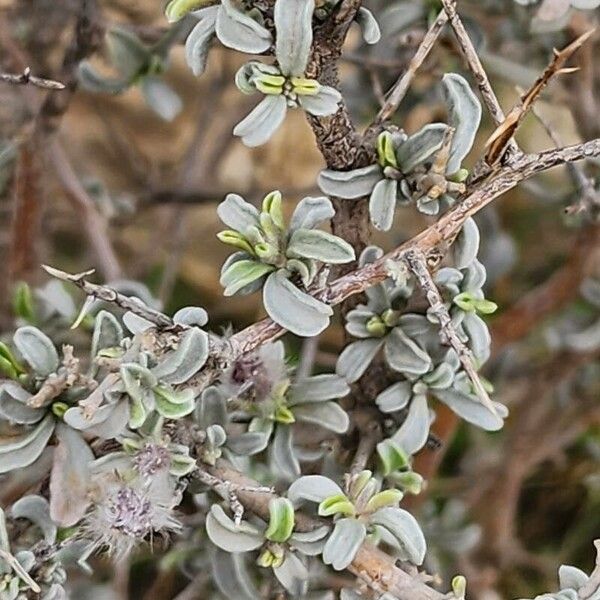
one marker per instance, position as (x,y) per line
(405,529)
(320,245)
(13,405)
(313,488)
(243,273)
(21,451)
(356,357)
(36,509)
(310,212)
(466,246)
(225,534)
(395,397)
(238,30)
(259,126)
(238,214)
(37,349)
(283,457)
(421,146)
(108,332)
(127,53)
(414,431)
(292,308)
(192,316)
(197,44)
(318,388)
(464,116)
(323,104)
(189,357)
(93,81)
(161,98)
(293,22)
(368,25)
(350,184)
(343,543)
(470,409)
(382,204)
(69,477)
(326,414)
(404,355)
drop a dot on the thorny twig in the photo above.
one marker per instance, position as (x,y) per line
(417,264)
(107,294)
(589,199)
(26,78)
(501,137)
(433,240)
(94,222)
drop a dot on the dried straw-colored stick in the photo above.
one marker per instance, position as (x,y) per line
(397,93)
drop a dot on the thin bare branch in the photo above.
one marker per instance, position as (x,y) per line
(107,294)
(476,68)
(397,93)
(26,78)
(370,435)
(433,241)
(589,198)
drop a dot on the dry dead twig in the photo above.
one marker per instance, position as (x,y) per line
(499,140)
(26,78)
(107,294)
(397,93)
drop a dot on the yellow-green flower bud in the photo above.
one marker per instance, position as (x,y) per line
(284,415)
(390,317)
(59,409)
(271,85)
(305,87)
(233,238)
(460,176)
(177,9)
(265,559)
(265,251)
(385,150)
(376,327)
(272,205)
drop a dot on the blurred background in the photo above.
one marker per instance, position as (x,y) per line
(96,180)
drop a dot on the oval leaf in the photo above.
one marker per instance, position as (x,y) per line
(344,542)
(292,308)
(37,349)
(319,245)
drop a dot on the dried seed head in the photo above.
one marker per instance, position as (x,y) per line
(128,511)
(124,516)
